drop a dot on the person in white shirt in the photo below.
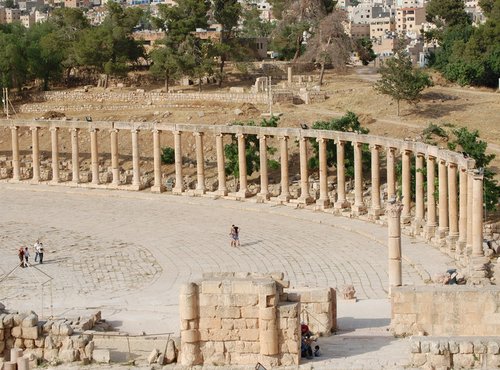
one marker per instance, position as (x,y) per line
(36,246)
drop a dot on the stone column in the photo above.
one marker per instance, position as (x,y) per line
(221,170)
(406,186)
(55,154)
(394,243)
(470,181)
(268,326)
(264,177)
(375,209)
(391,173)
(136,178)
(305,197)
(285,189)
(477,216)
(431,201)
(443,199)
(189,312)
(242,164)
(359,206)
(16,171)
(290,74)
(200,164)
(341,198)
(157,187)
(94,156)
(462,225)
(179,186)
(452,205)
(115,170)
(419,193)
(75,155)
(324,199)
(36,154)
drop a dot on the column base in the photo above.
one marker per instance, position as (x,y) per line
(285,198)
(405,220)
(242,194)
(358,210)
(157,189)
(418,227)
(341,204)
(451,241)
(220,192)
(305,200)
(442,232)
(262,197)
(460,249)
(323,203)
(35,181)
(429,232)
(54,182)
(177,191)
(375,212)
(199,191)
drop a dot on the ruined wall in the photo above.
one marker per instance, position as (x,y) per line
(46,340)
(456,353)
(446,310)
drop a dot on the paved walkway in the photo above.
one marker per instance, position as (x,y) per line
(126,253)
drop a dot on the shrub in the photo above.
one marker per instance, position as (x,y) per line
(167,155)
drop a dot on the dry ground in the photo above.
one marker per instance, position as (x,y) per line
(468,107)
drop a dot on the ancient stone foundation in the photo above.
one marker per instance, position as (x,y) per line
(26,341)
(446,310)
(242,319)
(455,352)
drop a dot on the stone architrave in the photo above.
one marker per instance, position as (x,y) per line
(376,208)
(94,153)
(430,227)
(443,227)
(36,154)
(406,186)
(221,170)
(393,211)
(452,205)
(200,164)
(242,164)
(55,153)
(341,196)
(136,175)
(115,169)
(359,206)
(157,186)
(305,197)
(324,199)
(285,187)
(263,194)
(75,155)
(16,172)
(179,186)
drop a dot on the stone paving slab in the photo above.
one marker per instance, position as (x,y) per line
(127,253)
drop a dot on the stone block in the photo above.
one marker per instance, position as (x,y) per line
(466,347)
(425,347)
(23,363)
(190,336)
(267,288)
(18,318)
(19,343)
(249,334)
(10,365)
(8,321)
(101,356)
(245,299)
(492,361)
(228,312)
(30,320)
(418,359)
(251,323)
(453,347)
(40,342)
(171,352)
(29,343)
(211,287)
(228,324)
(16,332)
(250,312)
(463,361)
(50,354)
(243,287)
(89,350)
(30,332)
(68,355)
(493,348)
(414,346)
(153,356)
(65,329)
(439,360)
(268,313)
(210,323)
(479,347)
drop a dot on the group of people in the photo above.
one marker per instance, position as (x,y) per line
(24,254)
(308,347)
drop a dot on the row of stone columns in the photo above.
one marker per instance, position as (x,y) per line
(455,219)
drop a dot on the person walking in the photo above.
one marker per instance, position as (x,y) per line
(26,256)
(20,254)
(235,236)
(36,246)
(39,252)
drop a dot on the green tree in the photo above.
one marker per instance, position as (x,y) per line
(166,64)
(364,49)
(253,26)
(400,80)
(251,150)
(446,12)
(13,58)
(347,123)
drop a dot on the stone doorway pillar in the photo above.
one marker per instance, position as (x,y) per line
(94,156)
(221,170)
(406,186)
(16,171)
(452,205)
(179,186)
(443,200)
(285,190)
(200,164)
(55,154)
(136,178)
(477,216)
(115,170)
(376,208)
(341,197)
(242,163)
(305,197)
(419,192)
(324,199)
(431,200)
(158,186)
(359,206)
(264,177)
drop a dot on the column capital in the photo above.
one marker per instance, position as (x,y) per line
(394,209)
(340,142)
(74,129)
(391,149)
(442,161)
(115,130)
(176,132)
(356,143)
(93,129)
(321,139)
(375,146)
(407,151)
(134,130)
(430,157)
(221,134)
(155,131)
(284,137)
(34,128)
(262,136)
(198,133)
(419,154)
(239,134)
(53,128)
(452,165)
(14,127)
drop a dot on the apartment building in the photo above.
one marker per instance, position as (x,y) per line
(12,15)
(409,21)
(28,20)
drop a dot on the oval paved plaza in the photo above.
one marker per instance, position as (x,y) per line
(126,253)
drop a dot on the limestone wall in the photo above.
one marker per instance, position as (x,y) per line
(446,310)
(456,353)
(59,339)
